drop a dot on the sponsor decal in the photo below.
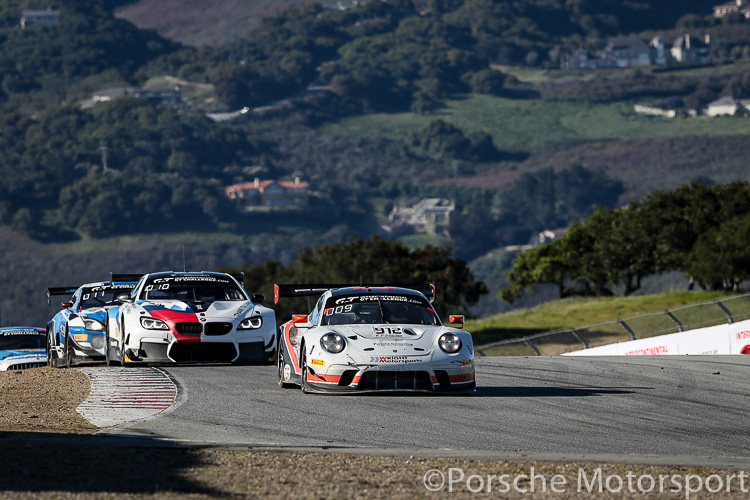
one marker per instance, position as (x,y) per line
(80,336)
(743,335)
(182,279)
(241,309)
(649,351)
(287,372)
(394,360)
(317,362)
(376,298)
(21,331)
(392,344)
(388,330)
(122,286)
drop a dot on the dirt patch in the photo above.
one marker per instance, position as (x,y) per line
(43,400)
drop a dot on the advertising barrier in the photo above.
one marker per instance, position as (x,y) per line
(721,339)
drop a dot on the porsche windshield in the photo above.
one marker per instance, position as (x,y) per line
(378,310)
(192,289)
(22,340)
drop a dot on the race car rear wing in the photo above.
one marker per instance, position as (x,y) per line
(60,290)
(280,291)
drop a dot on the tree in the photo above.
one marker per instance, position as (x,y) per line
(376,261)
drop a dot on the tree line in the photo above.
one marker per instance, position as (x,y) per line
(375,261)
(697,229)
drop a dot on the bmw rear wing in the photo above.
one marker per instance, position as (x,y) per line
(280,291)
(60,290)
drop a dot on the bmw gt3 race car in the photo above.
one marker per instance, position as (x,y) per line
(373,338)
(76,333)
(183,317)
(22,347)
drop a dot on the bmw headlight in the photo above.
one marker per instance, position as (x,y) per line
(153,324)
(97,342)
(93,325)
(450,343)
(251,323)
(332,342)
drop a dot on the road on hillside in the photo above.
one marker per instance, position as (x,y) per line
(667,406)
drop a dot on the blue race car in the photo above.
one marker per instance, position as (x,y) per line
(77,333)
(22,347)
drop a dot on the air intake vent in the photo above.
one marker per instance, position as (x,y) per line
(189,328)
(218,328)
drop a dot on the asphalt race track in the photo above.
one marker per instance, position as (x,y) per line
(662,406)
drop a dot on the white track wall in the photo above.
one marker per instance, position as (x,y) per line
(721,339)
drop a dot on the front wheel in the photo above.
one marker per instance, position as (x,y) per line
(303,361)
(281,366)
(108,354)
(50,361)
(66,356)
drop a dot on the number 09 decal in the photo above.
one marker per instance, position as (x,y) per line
(338,310)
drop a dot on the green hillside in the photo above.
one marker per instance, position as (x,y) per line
(576,312)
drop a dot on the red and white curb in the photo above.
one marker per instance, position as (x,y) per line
(120,395)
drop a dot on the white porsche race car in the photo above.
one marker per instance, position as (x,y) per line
(184,317)
(373,338)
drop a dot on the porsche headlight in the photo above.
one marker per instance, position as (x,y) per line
(332,342)
(93,325)
(153,324)
(450,343)
(251,323)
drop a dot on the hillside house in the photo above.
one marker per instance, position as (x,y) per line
(621,52)
(728,106)
(270,193)
(740,6)
(631,52)
(692,50)
(39,18)
(431,216)
(162,96)
(627,52)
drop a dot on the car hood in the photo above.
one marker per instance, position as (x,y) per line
(388,332)
(229,309)
(97,313)
(21,353)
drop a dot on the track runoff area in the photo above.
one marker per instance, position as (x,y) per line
(647,425)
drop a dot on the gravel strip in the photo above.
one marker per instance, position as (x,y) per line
(43,400)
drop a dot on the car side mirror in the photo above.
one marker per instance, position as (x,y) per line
(457,320)
(124,298)
(257,298)
(300,321)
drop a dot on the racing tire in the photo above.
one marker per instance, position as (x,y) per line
(50,362)
(122,347)
(107,355)
(66,358)
(303,370)
(280,363)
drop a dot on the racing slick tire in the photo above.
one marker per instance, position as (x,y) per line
(50,362)
(122,348)
(66,357)
(303,371)
(280,363)
(107,355)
